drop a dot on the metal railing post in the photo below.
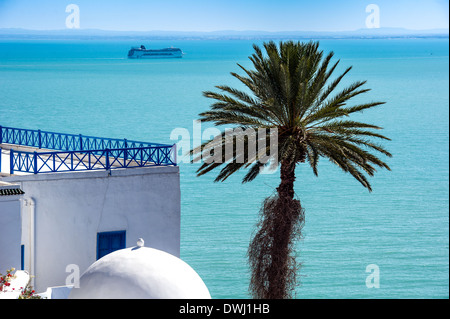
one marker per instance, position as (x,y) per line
(35,163)
(107,159)
(1,134)
(174,149)
(125,152)
(39,139)
(11,161)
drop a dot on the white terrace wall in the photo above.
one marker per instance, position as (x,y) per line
(67,210)
(10,232)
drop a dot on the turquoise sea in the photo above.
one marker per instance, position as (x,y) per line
(89,87)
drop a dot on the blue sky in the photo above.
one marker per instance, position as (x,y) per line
(212,15)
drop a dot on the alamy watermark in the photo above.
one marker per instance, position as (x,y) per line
(237,145)
(373,19)
(73,19)
(73,279)
(373,279)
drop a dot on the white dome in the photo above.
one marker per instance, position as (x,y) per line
(140,273)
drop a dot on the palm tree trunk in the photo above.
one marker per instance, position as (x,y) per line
(287,175)
(270,253)
(280,271)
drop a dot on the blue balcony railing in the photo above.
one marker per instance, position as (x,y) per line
(69,152)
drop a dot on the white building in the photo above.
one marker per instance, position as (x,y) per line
(72,199)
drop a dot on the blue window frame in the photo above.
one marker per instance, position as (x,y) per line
(107,242)
(22,257)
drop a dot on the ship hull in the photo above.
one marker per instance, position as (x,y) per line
(155,54)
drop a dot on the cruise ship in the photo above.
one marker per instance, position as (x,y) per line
(143,53)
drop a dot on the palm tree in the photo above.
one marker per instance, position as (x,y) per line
(292,93)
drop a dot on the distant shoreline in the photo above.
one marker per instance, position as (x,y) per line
(153,38)
(83,34)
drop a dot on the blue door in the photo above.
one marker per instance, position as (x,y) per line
(107,242)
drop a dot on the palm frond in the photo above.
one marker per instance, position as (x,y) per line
(292,88)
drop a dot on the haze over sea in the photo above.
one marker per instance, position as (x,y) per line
(90,87)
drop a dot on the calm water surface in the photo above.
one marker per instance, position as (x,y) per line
(402,227)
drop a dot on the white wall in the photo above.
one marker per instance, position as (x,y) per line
(71,208)
(10,233)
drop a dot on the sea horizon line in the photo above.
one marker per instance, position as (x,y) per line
(362,33)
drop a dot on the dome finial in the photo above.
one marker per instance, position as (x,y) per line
(140,242)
